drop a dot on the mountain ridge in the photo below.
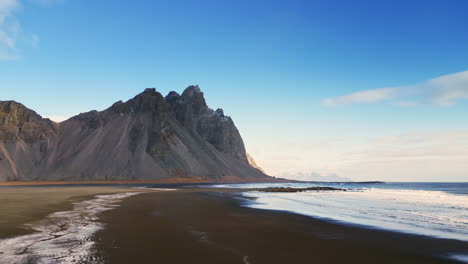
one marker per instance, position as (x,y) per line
(148,137)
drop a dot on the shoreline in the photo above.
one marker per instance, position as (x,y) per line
(22,206)
(212,226)
(63,236)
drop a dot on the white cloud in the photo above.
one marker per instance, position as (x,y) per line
(6,8)
(366,96)
(11,33)
(405,103)
(7,40)
(9,29)
(448,89)
(445,90)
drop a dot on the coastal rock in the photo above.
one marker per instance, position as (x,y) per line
(291,189)
(148,137)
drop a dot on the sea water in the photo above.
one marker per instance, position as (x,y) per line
(432,209)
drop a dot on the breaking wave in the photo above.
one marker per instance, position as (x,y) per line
(432,213)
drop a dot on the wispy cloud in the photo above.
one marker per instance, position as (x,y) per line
(445,90)
(9,29)
(12,36)
(435,146)
(405,103)
(6,8)
(366,96)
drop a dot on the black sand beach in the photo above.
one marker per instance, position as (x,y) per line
(210,226)
(22,205)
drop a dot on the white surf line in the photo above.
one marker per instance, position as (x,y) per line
(459,257)
(62,237)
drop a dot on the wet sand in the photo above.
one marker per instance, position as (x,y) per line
(24,205)
(210,226)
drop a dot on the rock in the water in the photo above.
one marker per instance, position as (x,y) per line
(290,189)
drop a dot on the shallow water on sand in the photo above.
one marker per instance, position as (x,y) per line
(438,209)
(62,237)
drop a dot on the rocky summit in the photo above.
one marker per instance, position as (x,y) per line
(148,137)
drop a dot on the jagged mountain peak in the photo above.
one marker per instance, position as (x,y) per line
(17,122)
(150,90)
(147,101)
(194,100)
(172,95)
(19,110)
(146,137)
(192,90)
(219,112)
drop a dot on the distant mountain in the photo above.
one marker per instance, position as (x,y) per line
(147,137)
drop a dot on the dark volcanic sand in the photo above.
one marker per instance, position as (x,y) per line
(196,226)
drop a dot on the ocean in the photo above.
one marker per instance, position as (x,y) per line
(431,209)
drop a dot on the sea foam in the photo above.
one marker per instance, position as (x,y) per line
(424,212)
(431,209)
(62,237)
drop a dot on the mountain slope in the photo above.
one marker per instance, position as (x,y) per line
(147,137)
(253,163)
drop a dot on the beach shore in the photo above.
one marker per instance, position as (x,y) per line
(24,205)
(210,226)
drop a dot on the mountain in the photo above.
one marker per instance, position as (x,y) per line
(146,138)
(253,163)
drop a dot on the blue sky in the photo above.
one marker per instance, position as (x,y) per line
(347,88)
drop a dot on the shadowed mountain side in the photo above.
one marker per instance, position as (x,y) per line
(147,137)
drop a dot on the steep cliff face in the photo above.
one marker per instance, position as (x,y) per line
(253,163)
(190,109)
(24,140)
(147,137)
(20,123)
